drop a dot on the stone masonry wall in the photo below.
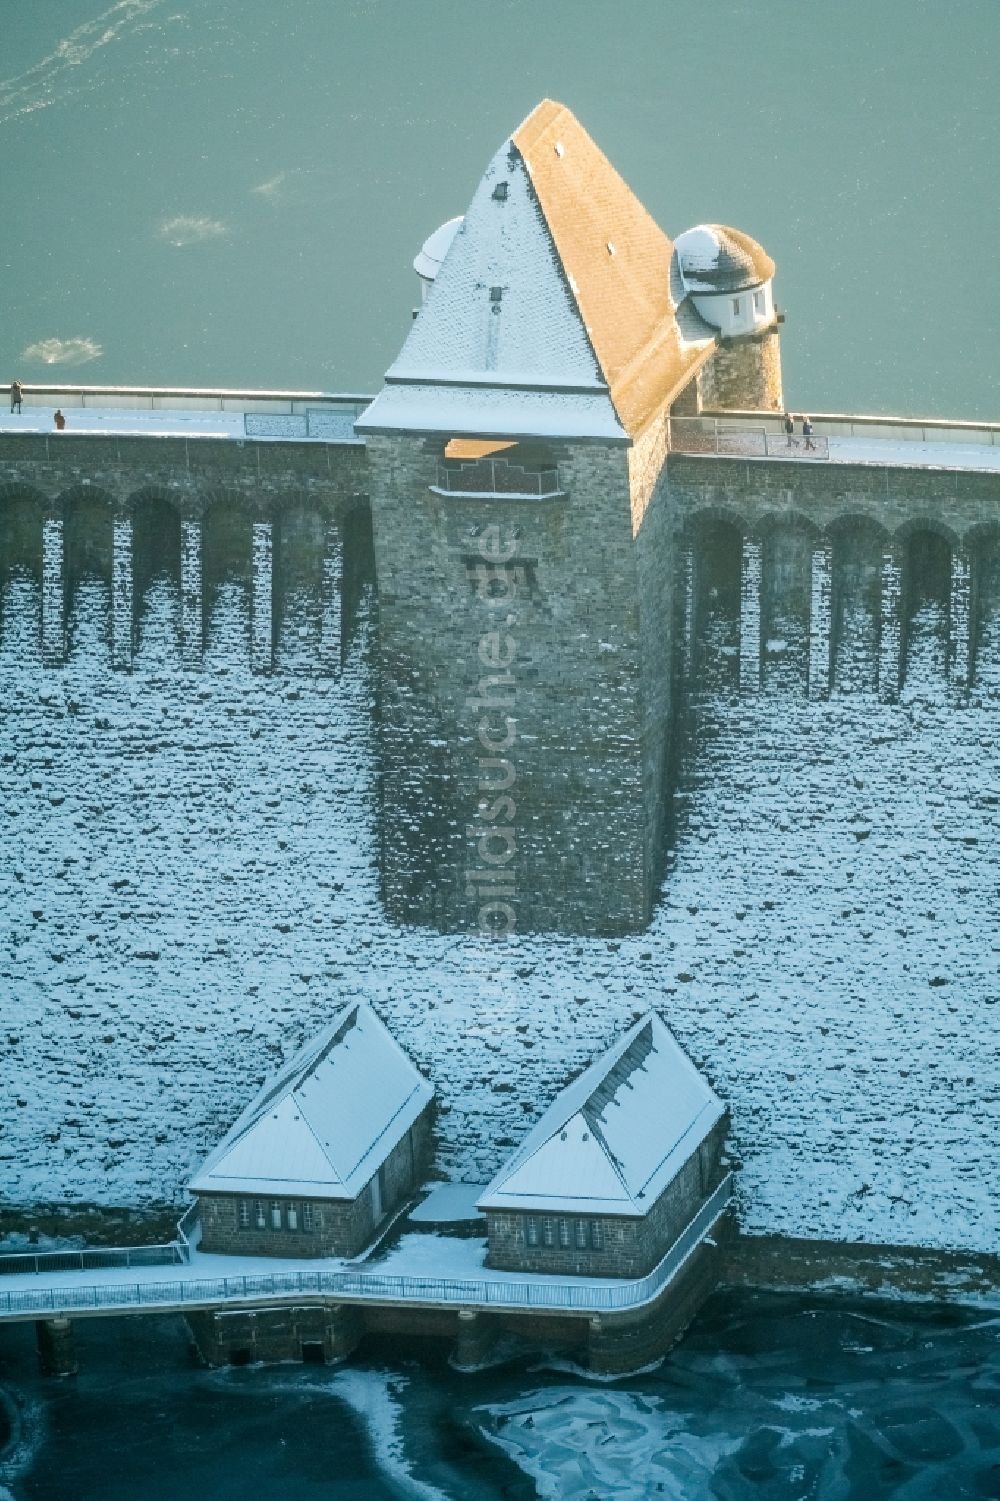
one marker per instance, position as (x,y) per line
(744,374)
(510,697)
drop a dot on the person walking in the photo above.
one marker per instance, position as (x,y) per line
(789,428)
(15,396)
(807,432)
(59,420)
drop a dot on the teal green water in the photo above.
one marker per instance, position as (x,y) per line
(232,191)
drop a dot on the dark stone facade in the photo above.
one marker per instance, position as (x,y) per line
(330,1227)
(624,1247)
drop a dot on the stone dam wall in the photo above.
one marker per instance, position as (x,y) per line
(194,838)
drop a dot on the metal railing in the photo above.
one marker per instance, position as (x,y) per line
(709,435)
(94,1259)
(497,477)
(171,1253)
(356,1285)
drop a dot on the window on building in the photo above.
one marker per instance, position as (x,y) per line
(500,192)
(276,1215)
(292,1216)
(758,302)
(564,1233)
(736,307)
(581,1235)
(548,1231)
(596,1235)
(308,1217)
(244,1214)
(260,1223)
(531,1230)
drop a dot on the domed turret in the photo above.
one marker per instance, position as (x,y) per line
(728,278)
(428,262)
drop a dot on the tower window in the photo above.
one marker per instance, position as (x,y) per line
(559,148)
(611,247)
(758,302)
(496,294)
(736,307)
(500,192)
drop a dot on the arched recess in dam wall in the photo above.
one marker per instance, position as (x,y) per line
(836,583)
(245,543)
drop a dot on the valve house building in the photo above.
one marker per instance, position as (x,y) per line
(617,1167)
(329,1148)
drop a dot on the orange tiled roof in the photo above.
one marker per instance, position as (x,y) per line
(617,261)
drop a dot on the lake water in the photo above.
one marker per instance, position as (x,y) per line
(768,1399)
(232,192)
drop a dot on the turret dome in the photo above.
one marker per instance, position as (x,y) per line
(714,258)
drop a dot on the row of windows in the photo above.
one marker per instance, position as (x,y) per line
(583,1234)
(280,1214)
(758,304)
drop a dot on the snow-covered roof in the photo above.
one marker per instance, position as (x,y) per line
(713,258)
(615,1137)
(324,1125)
(427,262)
(552,313)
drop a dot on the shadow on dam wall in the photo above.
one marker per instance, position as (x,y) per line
(68,585)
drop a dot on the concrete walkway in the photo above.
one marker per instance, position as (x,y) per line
(435,1270)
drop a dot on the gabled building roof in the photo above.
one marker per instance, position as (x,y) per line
(325,1124)
(554,312)
(615,1137)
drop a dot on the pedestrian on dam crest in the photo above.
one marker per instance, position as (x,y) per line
(59,420)
(15,396)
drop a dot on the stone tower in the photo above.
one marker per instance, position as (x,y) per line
(728,278)
(523,550)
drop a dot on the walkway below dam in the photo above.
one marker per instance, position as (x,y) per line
(428,1270)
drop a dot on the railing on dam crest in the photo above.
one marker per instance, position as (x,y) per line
(709,435)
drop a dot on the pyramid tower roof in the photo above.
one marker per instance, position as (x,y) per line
(615,1137)
(556,309)
(325,1124)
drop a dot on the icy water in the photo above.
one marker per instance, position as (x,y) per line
(231,192)
(768,1399)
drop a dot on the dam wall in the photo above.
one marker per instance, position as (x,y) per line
(195,852)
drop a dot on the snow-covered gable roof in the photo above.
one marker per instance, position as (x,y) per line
(615,1137)
(552,313)
(324,1125)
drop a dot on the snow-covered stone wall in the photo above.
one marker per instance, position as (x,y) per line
(192,853)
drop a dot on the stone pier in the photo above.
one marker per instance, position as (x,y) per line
(262,610)
(688,599)
(960,624)
(333,600)
(750,576)
(122,593)
(473,1340)
(820,619)
(192,606)
(890,642)
(56,1347)
(53,592)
